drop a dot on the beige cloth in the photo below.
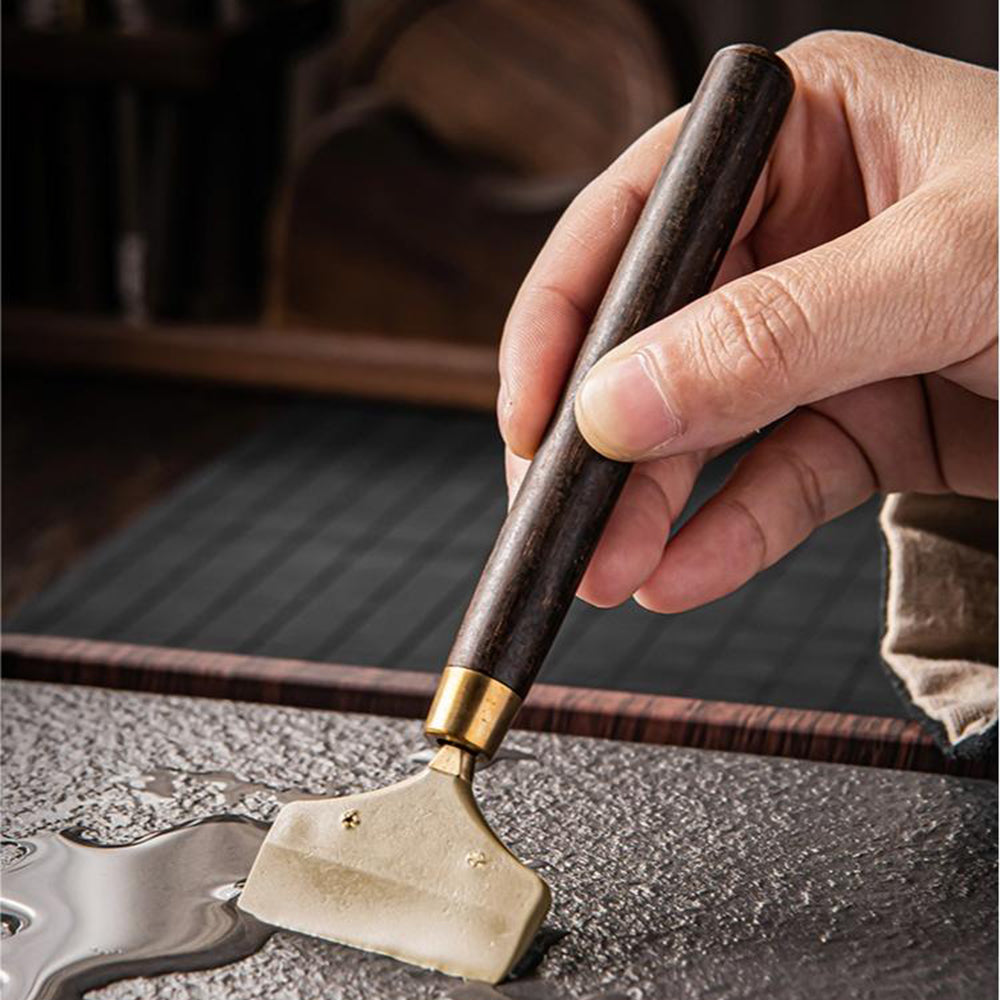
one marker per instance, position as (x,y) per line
(941,607)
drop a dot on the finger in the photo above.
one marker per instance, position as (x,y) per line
(805,473)
(562,290)
(965,435)
(810,192)
(515,469)
(632,542)
(853,311)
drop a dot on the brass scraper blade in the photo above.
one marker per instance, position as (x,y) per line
(412,871)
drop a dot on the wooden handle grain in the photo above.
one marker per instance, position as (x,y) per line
(671,259)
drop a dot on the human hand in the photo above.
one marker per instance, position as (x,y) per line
(859,298)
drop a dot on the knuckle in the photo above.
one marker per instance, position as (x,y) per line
(837,50)
(968,229)
(609,203)
(626,202)
(844,61)
(807,484)
(944,231)
(757,327)
(754,529)
(825,42)
(644,474)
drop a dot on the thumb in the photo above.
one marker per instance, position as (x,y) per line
(879,302)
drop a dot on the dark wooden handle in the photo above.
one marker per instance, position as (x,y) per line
(671,259)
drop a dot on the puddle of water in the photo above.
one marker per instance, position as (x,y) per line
(78,915)
(162,782)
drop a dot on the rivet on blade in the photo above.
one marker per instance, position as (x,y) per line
(350,819)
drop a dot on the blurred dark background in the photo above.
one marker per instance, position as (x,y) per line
(217,161)
(212,208)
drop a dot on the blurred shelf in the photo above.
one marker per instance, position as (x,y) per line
(312,360)
(172,58)
(176,59)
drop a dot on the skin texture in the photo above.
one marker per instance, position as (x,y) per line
(858,302)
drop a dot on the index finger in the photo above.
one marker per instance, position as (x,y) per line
(554,306)
(810,192)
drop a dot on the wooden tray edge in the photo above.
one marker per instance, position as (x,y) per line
(659,719)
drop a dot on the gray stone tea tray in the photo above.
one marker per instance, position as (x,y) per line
(675,873)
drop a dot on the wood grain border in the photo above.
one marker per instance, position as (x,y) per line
(710,725)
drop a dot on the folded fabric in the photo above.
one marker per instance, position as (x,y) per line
(940,639)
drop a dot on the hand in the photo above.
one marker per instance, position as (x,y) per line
(858,300)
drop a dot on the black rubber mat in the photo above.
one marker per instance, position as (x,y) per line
(354,533)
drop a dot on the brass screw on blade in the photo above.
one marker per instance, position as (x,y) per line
(350,819)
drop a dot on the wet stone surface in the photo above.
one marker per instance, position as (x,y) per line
(675,873)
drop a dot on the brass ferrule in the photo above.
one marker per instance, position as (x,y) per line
(471,710)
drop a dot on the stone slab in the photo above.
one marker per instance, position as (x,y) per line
(676,873)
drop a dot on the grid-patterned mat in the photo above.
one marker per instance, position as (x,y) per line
(354,533)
